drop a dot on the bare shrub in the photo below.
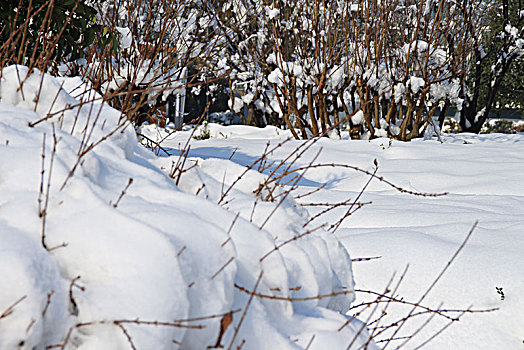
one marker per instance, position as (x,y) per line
(310,65)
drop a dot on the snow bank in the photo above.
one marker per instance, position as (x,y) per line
(124,255)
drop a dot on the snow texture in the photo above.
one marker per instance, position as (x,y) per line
(483,175)
(147,250)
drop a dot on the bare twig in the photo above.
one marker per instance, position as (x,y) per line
(43,212)
(230,229)
(74,306)
(310,342)
(275,297)
(129,182)
(292,239)
(11,307)
(365,259)
(154,143)
(48,302)
(223,267)
(126,334)
(246,308)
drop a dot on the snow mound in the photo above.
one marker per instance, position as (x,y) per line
(143,263)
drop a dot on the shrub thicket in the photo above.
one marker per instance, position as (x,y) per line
(308,66)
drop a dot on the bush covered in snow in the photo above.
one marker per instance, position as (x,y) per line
(313,65)
(305,66)
(502,126)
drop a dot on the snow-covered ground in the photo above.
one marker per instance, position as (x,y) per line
(483,177)
(114,263)
(100,249)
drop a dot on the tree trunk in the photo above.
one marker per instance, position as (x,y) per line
(312,116)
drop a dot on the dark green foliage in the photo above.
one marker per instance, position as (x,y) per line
(499,126)
(204,132)
(66,27)
(495,80)
(511,92)
(511,89)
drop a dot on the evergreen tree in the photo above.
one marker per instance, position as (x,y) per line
(60,28)
(493,80)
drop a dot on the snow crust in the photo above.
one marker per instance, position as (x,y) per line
(147,250)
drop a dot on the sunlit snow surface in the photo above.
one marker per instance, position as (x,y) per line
(162,254)
(483,175)
(147,264)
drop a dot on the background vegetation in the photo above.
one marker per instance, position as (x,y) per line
(369,67)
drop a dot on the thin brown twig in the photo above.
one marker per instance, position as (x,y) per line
(334,227)
(379,178)
(292,239)
(48,302)
(230,260)
(74,306)
(286,194)
(11,307)
(126,334)
(230,229)
(246,308)
(43,213)
(122,194)
(311,192)
(250,167)
(310,342)
(291,299)
(365,259)
(154,143)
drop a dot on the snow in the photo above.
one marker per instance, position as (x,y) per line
(165,252)
(276,77)
(416,83)
(126,38)
(272,13)
(358,118)
(482,174)
(124,255)
(237,106)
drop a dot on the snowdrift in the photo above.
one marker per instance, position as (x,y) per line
(90,259)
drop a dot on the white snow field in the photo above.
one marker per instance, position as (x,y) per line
(90,259)
(482,175)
